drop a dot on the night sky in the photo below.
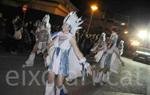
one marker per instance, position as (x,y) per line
(138,11)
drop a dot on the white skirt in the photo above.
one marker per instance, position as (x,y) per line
(98,55)
(74,67)
(115,63)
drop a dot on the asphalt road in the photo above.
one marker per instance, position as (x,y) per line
(133,79)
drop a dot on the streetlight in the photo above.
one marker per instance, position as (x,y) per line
(93,8)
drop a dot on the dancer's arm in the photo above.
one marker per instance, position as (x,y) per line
(52,43)
(80,55)
(76,49)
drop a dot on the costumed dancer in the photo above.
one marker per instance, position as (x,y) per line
(43,38)
(121,47)
(99,48)
(65,51)
(18,28)
(105,62)
(116,58)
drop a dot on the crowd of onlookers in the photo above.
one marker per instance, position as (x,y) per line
(9,43)
(86,41)
(8,28)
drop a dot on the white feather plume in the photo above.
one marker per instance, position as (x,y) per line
(73,20)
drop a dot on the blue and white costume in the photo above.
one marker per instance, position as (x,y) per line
(60,62)
(106,61)
(107,57)
(64,61)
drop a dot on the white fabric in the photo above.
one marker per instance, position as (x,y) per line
(30,60)
(65,45)
(49,90)
(121,47)
(99,55)
(101,44)
(74,66)
(18,34)
(41,47)
(56,63)
(97,76)
(115,62)
(58,90)
(82,60)
(49,57)
(73,20)
(102,62)
(106,77)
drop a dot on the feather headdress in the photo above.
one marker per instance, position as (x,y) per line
(74,22)
(46,19)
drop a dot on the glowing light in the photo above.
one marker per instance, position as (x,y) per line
(142,34)
(135,43)
(126,32)
(123,24)
(94,7)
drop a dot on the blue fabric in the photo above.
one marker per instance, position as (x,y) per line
(62,92)
(108,60)
(64,65)
(64,61)
(57,51)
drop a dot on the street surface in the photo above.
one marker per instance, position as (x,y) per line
(133,79)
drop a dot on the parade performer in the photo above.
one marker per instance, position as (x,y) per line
(106,60)
(66,54)
(121,47)
(105,63)
(116,58)
(43,38)
(100,47)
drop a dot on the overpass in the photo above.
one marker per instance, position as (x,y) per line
(56,7)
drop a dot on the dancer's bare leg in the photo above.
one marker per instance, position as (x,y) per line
(59,84)
(93,78)
(49,90)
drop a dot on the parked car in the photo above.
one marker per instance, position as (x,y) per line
(142,54)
